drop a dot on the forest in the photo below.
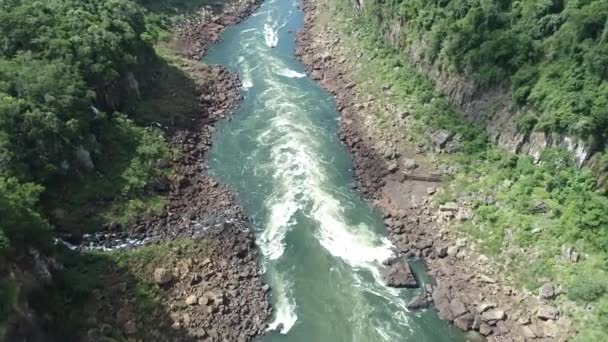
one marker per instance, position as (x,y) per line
(551,54)
(69,83)
(73,144)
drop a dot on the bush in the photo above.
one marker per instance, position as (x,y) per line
(587,288)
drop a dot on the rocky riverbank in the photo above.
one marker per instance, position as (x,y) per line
(195,34)
(469,290)
(209,287)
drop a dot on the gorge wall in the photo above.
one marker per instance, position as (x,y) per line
(489,105)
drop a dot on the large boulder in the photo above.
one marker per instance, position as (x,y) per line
(464,322)
(547,313)
(417,302)
(457,307)
(493,315)
(399,275)
(548,291)
(162,276)
(441,137)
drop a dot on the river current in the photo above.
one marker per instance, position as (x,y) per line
(322,245)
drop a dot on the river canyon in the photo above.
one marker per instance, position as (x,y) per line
(322,244)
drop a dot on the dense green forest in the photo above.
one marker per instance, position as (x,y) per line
(76,149)
(69,82)
(553,54)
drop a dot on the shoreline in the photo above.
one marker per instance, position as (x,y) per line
(214,293)
(469,289)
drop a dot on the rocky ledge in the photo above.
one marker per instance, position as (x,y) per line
(468,288)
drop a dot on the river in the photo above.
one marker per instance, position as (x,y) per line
(322,244)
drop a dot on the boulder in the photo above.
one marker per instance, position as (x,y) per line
(417,302)
(548,291)
(457,307)
(503,328)
(527,332)
(452,250)
(450,206)
(399,275)
(440,296)
(464,214)
(464,322)
(442,251)
(441,137)
(192,300)
(162,276)
(444,312)
(493,315)
(409,164)
(392,167)
(547,313)
(483,307)
(485,329)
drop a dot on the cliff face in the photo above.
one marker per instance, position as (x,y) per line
(489,107)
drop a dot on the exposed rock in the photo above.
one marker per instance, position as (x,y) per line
(502,328)
(452,250)
(392,167)
(483,307)
(548,291)
(191,300)
(547,313)
(409,164)
(442,251)
(493,315)
(162,276)
(399,275)
(441,137)
(450,206)
(464,322)
(444,312)
(527,332)
(485,329)
(417,302)
(440,296)
(458,308)
(487,279)
(464,214)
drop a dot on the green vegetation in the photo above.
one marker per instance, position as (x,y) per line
(526,212)
(7,293)
(69,303)
(552,53)
(83,92)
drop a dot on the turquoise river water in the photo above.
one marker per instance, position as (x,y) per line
(322,245)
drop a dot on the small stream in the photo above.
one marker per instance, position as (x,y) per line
(322,244)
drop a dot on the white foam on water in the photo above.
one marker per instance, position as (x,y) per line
(271,35)
(356,245)
(247,83)
(258,13)
(285,306)
(272,238)
(291,73)
(300,177)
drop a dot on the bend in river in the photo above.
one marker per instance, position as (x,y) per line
(322,245)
